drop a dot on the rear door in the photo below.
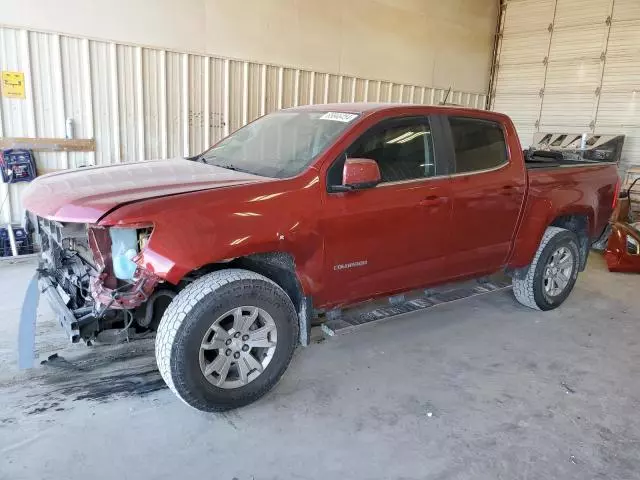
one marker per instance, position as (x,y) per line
(488,191)
(394,236)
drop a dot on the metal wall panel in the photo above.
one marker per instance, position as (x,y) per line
(217,95)
(524,110)
(621,75)
(524,48)
(175,86)
(577,42)
(619,109)
(573,75)
(524,79)
(581,12)
(528,16)
(154,104)
(104,102)
(624,39)
(571,110)
(145,103)
(626,10)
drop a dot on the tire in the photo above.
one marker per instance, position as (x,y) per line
(188,320)
(529,284)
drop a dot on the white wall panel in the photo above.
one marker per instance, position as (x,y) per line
(217,96)
(619,109)
(624,39)
(145,103)
(524,48)
(524,110)
(581,12)
(626,10)
(128,91)
(175,108)
(571,110)
(154,104)
(577,42)
(621,75)
(105,110)
(528,16)
(525,78)
(572,76)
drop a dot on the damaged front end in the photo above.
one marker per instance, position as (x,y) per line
(90,278)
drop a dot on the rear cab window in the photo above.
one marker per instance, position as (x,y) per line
(479,144)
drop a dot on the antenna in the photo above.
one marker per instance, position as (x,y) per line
(444,102)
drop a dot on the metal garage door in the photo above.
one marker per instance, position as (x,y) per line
(571,66)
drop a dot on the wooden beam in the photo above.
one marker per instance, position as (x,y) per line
(49,144)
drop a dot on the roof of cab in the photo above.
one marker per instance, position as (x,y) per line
(368,107)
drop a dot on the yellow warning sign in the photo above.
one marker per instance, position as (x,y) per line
(13,84)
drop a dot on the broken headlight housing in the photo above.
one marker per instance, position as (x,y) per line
(126,244)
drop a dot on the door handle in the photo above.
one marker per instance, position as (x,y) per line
(432,201)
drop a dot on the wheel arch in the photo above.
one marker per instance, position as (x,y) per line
(578,223)
(579,220)
(279,267)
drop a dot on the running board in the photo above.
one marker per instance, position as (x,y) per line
(340,322)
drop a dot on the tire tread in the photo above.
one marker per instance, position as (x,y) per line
(523,288)
(177,313)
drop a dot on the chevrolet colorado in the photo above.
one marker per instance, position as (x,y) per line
(230,255)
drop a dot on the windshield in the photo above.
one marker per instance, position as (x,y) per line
(279,145)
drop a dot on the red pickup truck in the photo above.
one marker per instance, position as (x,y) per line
(230,255)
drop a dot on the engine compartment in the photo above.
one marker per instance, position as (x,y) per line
(76,261)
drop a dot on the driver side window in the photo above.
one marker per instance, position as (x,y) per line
(403,150)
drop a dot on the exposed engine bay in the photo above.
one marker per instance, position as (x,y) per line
(93,283)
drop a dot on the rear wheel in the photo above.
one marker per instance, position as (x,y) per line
(226,339)
(548,281)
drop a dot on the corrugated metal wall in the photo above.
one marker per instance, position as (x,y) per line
(571,66)
(144,103)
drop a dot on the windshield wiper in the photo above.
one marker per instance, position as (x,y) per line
(202,158)
(230,167)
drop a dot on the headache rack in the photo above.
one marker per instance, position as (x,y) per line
(566,149)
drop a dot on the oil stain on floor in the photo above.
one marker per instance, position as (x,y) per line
(98,374)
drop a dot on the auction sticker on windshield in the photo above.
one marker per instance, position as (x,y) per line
(338,116)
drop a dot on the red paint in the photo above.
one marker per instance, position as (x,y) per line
(143,285)
(86,194)
(360,171)
(617,255)
(401,236)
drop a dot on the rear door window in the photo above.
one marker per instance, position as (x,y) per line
(478,144)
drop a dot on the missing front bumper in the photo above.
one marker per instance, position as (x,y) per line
(72,321)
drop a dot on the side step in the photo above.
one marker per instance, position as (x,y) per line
(340,322)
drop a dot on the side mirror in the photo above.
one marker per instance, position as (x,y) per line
(358,174)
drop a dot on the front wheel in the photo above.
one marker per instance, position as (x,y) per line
(226,339)
(550,277)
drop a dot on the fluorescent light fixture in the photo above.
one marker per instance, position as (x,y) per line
(400,137)
(411,137)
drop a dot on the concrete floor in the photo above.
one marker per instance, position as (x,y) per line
(479,389)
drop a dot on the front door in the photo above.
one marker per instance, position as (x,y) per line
(392,237)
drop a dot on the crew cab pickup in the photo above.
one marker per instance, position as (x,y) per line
(230,255)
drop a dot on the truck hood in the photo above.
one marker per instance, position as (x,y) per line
(85,195)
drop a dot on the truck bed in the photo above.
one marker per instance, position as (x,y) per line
(553,159)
